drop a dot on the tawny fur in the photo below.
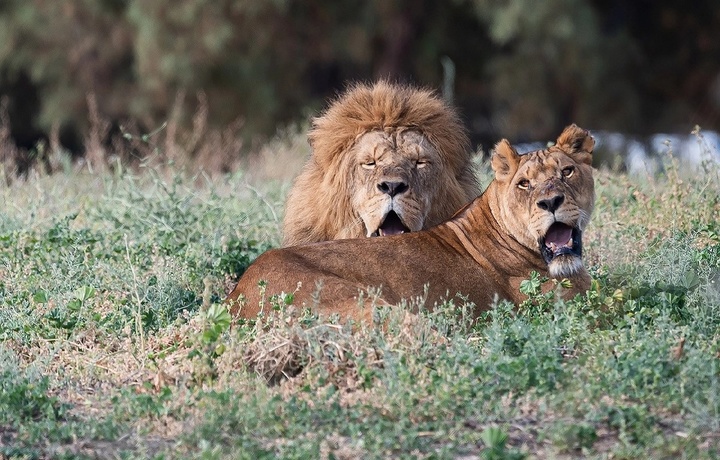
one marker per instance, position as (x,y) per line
(320,204)
(483,252)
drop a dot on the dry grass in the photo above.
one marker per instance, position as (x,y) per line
(148,367)
(183,142)
(621,229)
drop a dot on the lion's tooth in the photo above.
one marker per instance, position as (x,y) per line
(570,242)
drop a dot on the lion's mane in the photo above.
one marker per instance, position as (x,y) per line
(319,205)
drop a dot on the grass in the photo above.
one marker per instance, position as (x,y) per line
(113,345)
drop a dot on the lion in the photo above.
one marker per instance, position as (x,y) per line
(386,159)
(530,218)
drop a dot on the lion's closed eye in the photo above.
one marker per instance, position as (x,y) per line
(383,129)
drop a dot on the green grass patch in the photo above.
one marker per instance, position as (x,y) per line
(113,342)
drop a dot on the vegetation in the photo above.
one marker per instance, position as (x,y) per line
(518,69)
(113,342)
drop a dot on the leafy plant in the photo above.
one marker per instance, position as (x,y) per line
(574,436)
(24,399)
(539,302)
(216,323)
(73,315)
(495,440)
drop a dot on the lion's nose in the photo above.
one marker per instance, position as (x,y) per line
(551,204)
(392,188)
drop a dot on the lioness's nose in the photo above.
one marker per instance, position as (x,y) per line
(392,188)
(551,204)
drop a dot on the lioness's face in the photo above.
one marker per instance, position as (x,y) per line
(398,175)
(548,197)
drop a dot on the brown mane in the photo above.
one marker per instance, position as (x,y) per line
(319,206)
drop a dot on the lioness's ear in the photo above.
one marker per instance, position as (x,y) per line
(504,160)
(577,142)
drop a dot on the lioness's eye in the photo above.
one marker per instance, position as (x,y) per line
(568,172)
(368,165)
(523,184)
(422,163)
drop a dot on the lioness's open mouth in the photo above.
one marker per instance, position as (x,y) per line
(560,239)
(392,225)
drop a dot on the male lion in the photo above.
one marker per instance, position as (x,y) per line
(386,159)
(530,218)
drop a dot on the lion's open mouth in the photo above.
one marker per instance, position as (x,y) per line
(392,225)
(560,239)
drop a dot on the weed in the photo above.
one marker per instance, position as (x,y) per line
(216,322)
(574,437)
(25,398)
(495,446)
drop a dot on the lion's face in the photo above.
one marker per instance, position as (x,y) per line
(546,197)
(397,176)
(386,159)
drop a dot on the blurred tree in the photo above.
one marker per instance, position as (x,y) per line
(523,68)
(240,54)
(677,75)
(554,67)
(69,49)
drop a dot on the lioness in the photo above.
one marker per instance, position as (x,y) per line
(530,217)
(386,159)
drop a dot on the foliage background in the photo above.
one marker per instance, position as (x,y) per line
(113,343)
(522,69)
